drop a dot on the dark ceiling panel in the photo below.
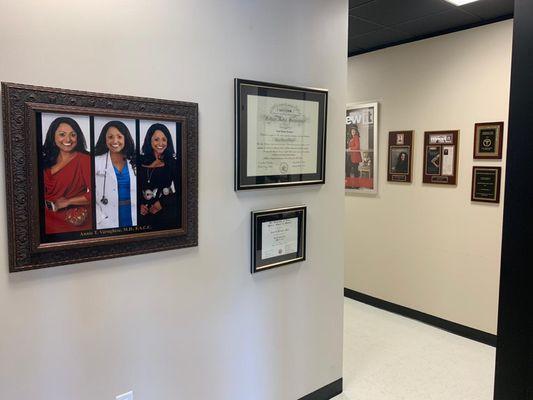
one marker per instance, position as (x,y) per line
(490,9)
(352,47)
(358,26)
(438,22)
(381,23)
(355,3)
(378,38)
(392,12)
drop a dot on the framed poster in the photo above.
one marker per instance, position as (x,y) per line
(361,144)
(400,156)
(486,184)
(278,237)
(440,157)
(91,176)
(488,140)
(280,135)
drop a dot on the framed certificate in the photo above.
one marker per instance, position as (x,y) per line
(486,184)
(400,156)
(440,157)
(278,237)
(280,135)
(488,140)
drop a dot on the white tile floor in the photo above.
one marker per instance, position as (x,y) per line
(389,357)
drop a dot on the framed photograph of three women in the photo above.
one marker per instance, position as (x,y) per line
(91,176)
(280,135)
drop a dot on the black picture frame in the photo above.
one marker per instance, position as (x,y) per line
(283,228)
(31,246)
(278,167)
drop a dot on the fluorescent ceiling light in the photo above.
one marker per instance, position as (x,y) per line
(460,2)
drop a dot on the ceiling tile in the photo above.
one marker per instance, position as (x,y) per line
(378,38)
(490,9)
(393,12)
(356,3)
(378,23)
(352,48)
(438,22)
(358,26)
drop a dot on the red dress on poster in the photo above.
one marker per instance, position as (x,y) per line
(73,180)
(354,146)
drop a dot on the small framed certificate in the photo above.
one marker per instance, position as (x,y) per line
(280,135)
(486,184)
(278,237)
(488,140)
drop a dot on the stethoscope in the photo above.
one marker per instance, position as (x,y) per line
(104,199)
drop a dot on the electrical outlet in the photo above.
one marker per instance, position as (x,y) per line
(125,396)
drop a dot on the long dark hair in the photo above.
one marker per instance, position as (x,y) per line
(129,147)
(148,156)
(399,161)
(50,149)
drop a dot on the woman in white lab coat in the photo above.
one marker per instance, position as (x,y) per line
(115,180)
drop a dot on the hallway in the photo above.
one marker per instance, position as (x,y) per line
(389,357)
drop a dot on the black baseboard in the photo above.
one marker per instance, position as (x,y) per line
(449,326)
(326,392)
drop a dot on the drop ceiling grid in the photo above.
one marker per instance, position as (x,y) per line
(375,24)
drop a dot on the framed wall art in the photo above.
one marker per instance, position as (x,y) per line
(91,176)
(400,156)
(440,157)
(280,135)
(486,184)
(361,145)
(488,140)
(278,237)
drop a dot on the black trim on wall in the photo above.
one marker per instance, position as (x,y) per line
(514,355)
(326,392)
(449,326)
(434,34)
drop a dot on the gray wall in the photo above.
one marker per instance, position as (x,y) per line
(185,324)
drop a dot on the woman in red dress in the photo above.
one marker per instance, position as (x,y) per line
(354,153)
(67,178)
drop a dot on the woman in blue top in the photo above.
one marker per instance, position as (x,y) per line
(116,184)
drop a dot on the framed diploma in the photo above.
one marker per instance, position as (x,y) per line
(278,237)
(486,184)
(488,140)
(91,176)
(400,154)
(361,147)
(440,157)
(280,135)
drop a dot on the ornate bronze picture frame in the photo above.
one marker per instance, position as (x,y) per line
(91,176)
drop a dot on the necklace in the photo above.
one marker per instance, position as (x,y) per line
(150,173)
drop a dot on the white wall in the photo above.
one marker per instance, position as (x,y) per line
(187,324)
(428,247)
